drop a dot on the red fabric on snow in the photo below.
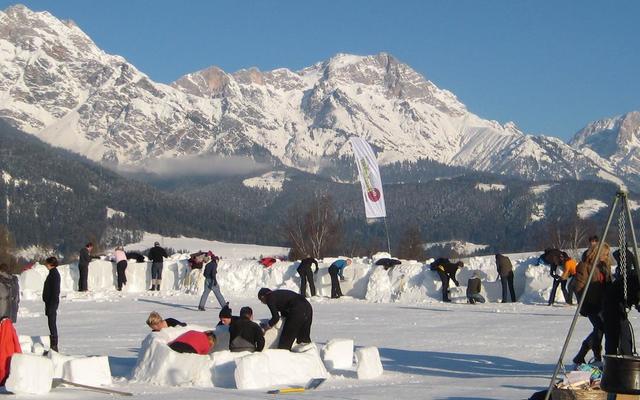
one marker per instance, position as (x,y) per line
(198,340)
(9,345)
(267,261)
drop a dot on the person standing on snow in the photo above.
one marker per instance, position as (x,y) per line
(446,271)
(9,294)
(51,298)
(306,274)
(121,266)
(211,283)
(336,270)
(505,271)
(157,255)
(83,266)
(296,311)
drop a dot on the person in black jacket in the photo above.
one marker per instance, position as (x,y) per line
(9,294)
(306,274)
(296,311)
(505,271)
(83,266)
(51,298)
(211,283)
(446,270)
(244,334)
(157,255)
(555,258)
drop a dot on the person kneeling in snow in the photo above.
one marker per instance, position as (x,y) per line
(295,309)
(156,323)
(244,334)
(474,287)
(446,270)
(194,342)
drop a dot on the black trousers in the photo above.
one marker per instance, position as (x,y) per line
(182,347)
(52,316)
(507,286)
(82,282)
(563,287)
(297,326)
(335,283)
(121,267)
(445,285)
(307,275)
(594,340)
(617,330)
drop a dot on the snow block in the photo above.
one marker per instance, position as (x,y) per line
(224,365)
(93,371)
(272,336)
(338,354)
(222,338)
(25,343)
(58,361)
(159,365)
(30,374)
(369,364)
(272,368)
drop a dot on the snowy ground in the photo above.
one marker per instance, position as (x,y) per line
(429,351)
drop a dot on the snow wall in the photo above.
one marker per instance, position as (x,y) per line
(410,282)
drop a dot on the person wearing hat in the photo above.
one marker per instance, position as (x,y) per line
(211,283)
(121,266)
(225,316)
(244,334)
(296,311)
(474,287)
(157,255)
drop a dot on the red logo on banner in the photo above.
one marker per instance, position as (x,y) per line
(373,194)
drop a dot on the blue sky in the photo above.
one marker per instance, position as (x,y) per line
(550,66)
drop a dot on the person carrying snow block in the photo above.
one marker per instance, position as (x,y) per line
(157,323)
(446,271)
(51,298)
(505,271)
(194,342)
(555,258)
(244,334)
(388,263)
(306,274)
(336,269)
(296,310)
(211,283)
(474,287)
(157,255)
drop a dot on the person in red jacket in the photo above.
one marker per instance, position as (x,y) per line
(9,345)
(194,342)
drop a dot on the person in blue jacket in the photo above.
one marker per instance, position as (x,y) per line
(211,283)
(336,270)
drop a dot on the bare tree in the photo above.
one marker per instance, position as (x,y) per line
(411,246)
(314,230)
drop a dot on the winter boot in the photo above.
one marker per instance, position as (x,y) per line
(53,343)
(158,285)
(579,358)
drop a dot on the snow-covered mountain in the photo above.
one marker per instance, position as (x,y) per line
(614,143)
(58,85)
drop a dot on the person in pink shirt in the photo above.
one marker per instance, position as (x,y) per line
(195,342)
(121,266)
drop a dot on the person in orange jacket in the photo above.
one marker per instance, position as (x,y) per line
(568,275)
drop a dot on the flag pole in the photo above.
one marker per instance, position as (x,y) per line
(386,229)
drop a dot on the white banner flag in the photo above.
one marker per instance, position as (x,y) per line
(369,178)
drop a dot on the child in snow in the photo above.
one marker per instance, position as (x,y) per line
(51,298)
(474,287)
(194,342)
(157,323)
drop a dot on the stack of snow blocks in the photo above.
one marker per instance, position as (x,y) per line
(29,374)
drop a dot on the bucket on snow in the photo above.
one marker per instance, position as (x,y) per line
(621,374)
